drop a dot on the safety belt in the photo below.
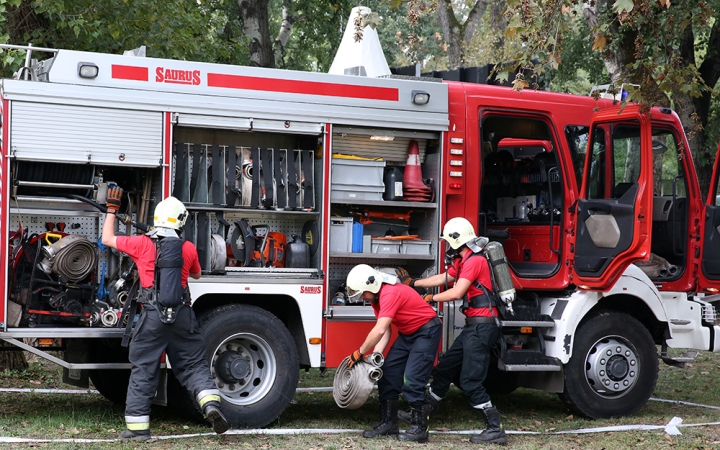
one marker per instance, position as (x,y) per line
(217,188)
(180,172)
(195,171)
(255,192)
(130,308)
(292,179)
(232,189)
(308,188)
(279,181)
(267,174)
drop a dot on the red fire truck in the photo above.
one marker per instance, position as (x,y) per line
(291,178)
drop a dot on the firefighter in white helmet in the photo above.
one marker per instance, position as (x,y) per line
(160,329)
(469,355)
(410,359)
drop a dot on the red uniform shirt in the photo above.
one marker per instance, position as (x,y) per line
(404,306)
(142,250)
(474,269)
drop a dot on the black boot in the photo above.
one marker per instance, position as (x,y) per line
(494,433)
(431,406)
(418,431)
(135,435)
(214,414)
(388,420)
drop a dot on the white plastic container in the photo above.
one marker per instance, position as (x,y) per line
(416,248)
(385,246)
(341,234)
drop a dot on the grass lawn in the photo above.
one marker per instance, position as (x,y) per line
(89,416)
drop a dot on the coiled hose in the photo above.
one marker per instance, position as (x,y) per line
(73,257)
(352,387)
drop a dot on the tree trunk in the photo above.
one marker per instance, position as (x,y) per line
(284,34)
(12,360)
(256,27)
(458,35)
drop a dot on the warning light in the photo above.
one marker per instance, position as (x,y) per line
(455,185)
(525,330)
(455,174)
(315,341)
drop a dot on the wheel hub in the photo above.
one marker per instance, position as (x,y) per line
(232,367)
(611,366)
(244,368)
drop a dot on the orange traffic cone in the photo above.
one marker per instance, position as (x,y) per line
(414,189)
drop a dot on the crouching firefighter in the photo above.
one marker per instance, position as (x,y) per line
(167,322)
(469,355)
(410,360)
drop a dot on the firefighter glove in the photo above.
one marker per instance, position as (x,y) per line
(114,198)
(354,358)
(429,298)
(404,277)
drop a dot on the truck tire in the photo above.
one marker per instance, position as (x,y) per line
(613,369)
(112,384)
(254,362)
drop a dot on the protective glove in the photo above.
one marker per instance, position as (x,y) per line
(428,298)
(114,198)
(404,277)
(354,358)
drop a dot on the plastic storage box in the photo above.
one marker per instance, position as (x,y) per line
(385,246)
(341,234)
(416,247)
(356,179)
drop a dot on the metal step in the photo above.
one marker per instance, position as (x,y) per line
(679,361)
(529,320)
(528,361)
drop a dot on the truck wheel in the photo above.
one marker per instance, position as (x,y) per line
(254,362)
(112,384)
(613,368)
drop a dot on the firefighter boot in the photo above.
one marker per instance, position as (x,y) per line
(418,431)
(388,425)
(135,435)
(494,433)
(431,405)
(214,414)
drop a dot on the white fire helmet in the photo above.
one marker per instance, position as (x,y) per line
(170,213)
(363,278)
(457,232)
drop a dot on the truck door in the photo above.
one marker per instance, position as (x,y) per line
(614,210)
(709,277)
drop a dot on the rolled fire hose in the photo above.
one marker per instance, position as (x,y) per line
(352,387)
(73,257)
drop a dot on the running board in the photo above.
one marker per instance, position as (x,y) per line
(679,361)
(527,323)
(528,361)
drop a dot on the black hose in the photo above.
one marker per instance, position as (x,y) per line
(103,209)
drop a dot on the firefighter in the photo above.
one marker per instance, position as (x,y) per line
(181,339)
(410,359)
(469,355)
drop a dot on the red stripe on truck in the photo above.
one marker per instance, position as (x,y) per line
(302,87)
(130,72)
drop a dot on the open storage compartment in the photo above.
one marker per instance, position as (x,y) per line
(395,232)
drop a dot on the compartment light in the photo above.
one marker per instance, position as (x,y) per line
(455,162)
(382,138)
(456,151)
(455,174)
(420,97)
(456,140)
(88,70)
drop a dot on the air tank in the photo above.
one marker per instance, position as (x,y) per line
(501,272)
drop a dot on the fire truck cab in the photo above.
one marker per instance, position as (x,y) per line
(291,179)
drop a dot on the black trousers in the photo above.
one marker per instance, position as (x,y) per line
(408,366)
(469,356)
(185,348)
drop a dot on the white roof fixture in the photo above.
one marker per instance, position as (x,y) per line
(365,57)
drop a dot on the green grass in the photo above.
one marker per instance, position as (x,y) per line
(87,416)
